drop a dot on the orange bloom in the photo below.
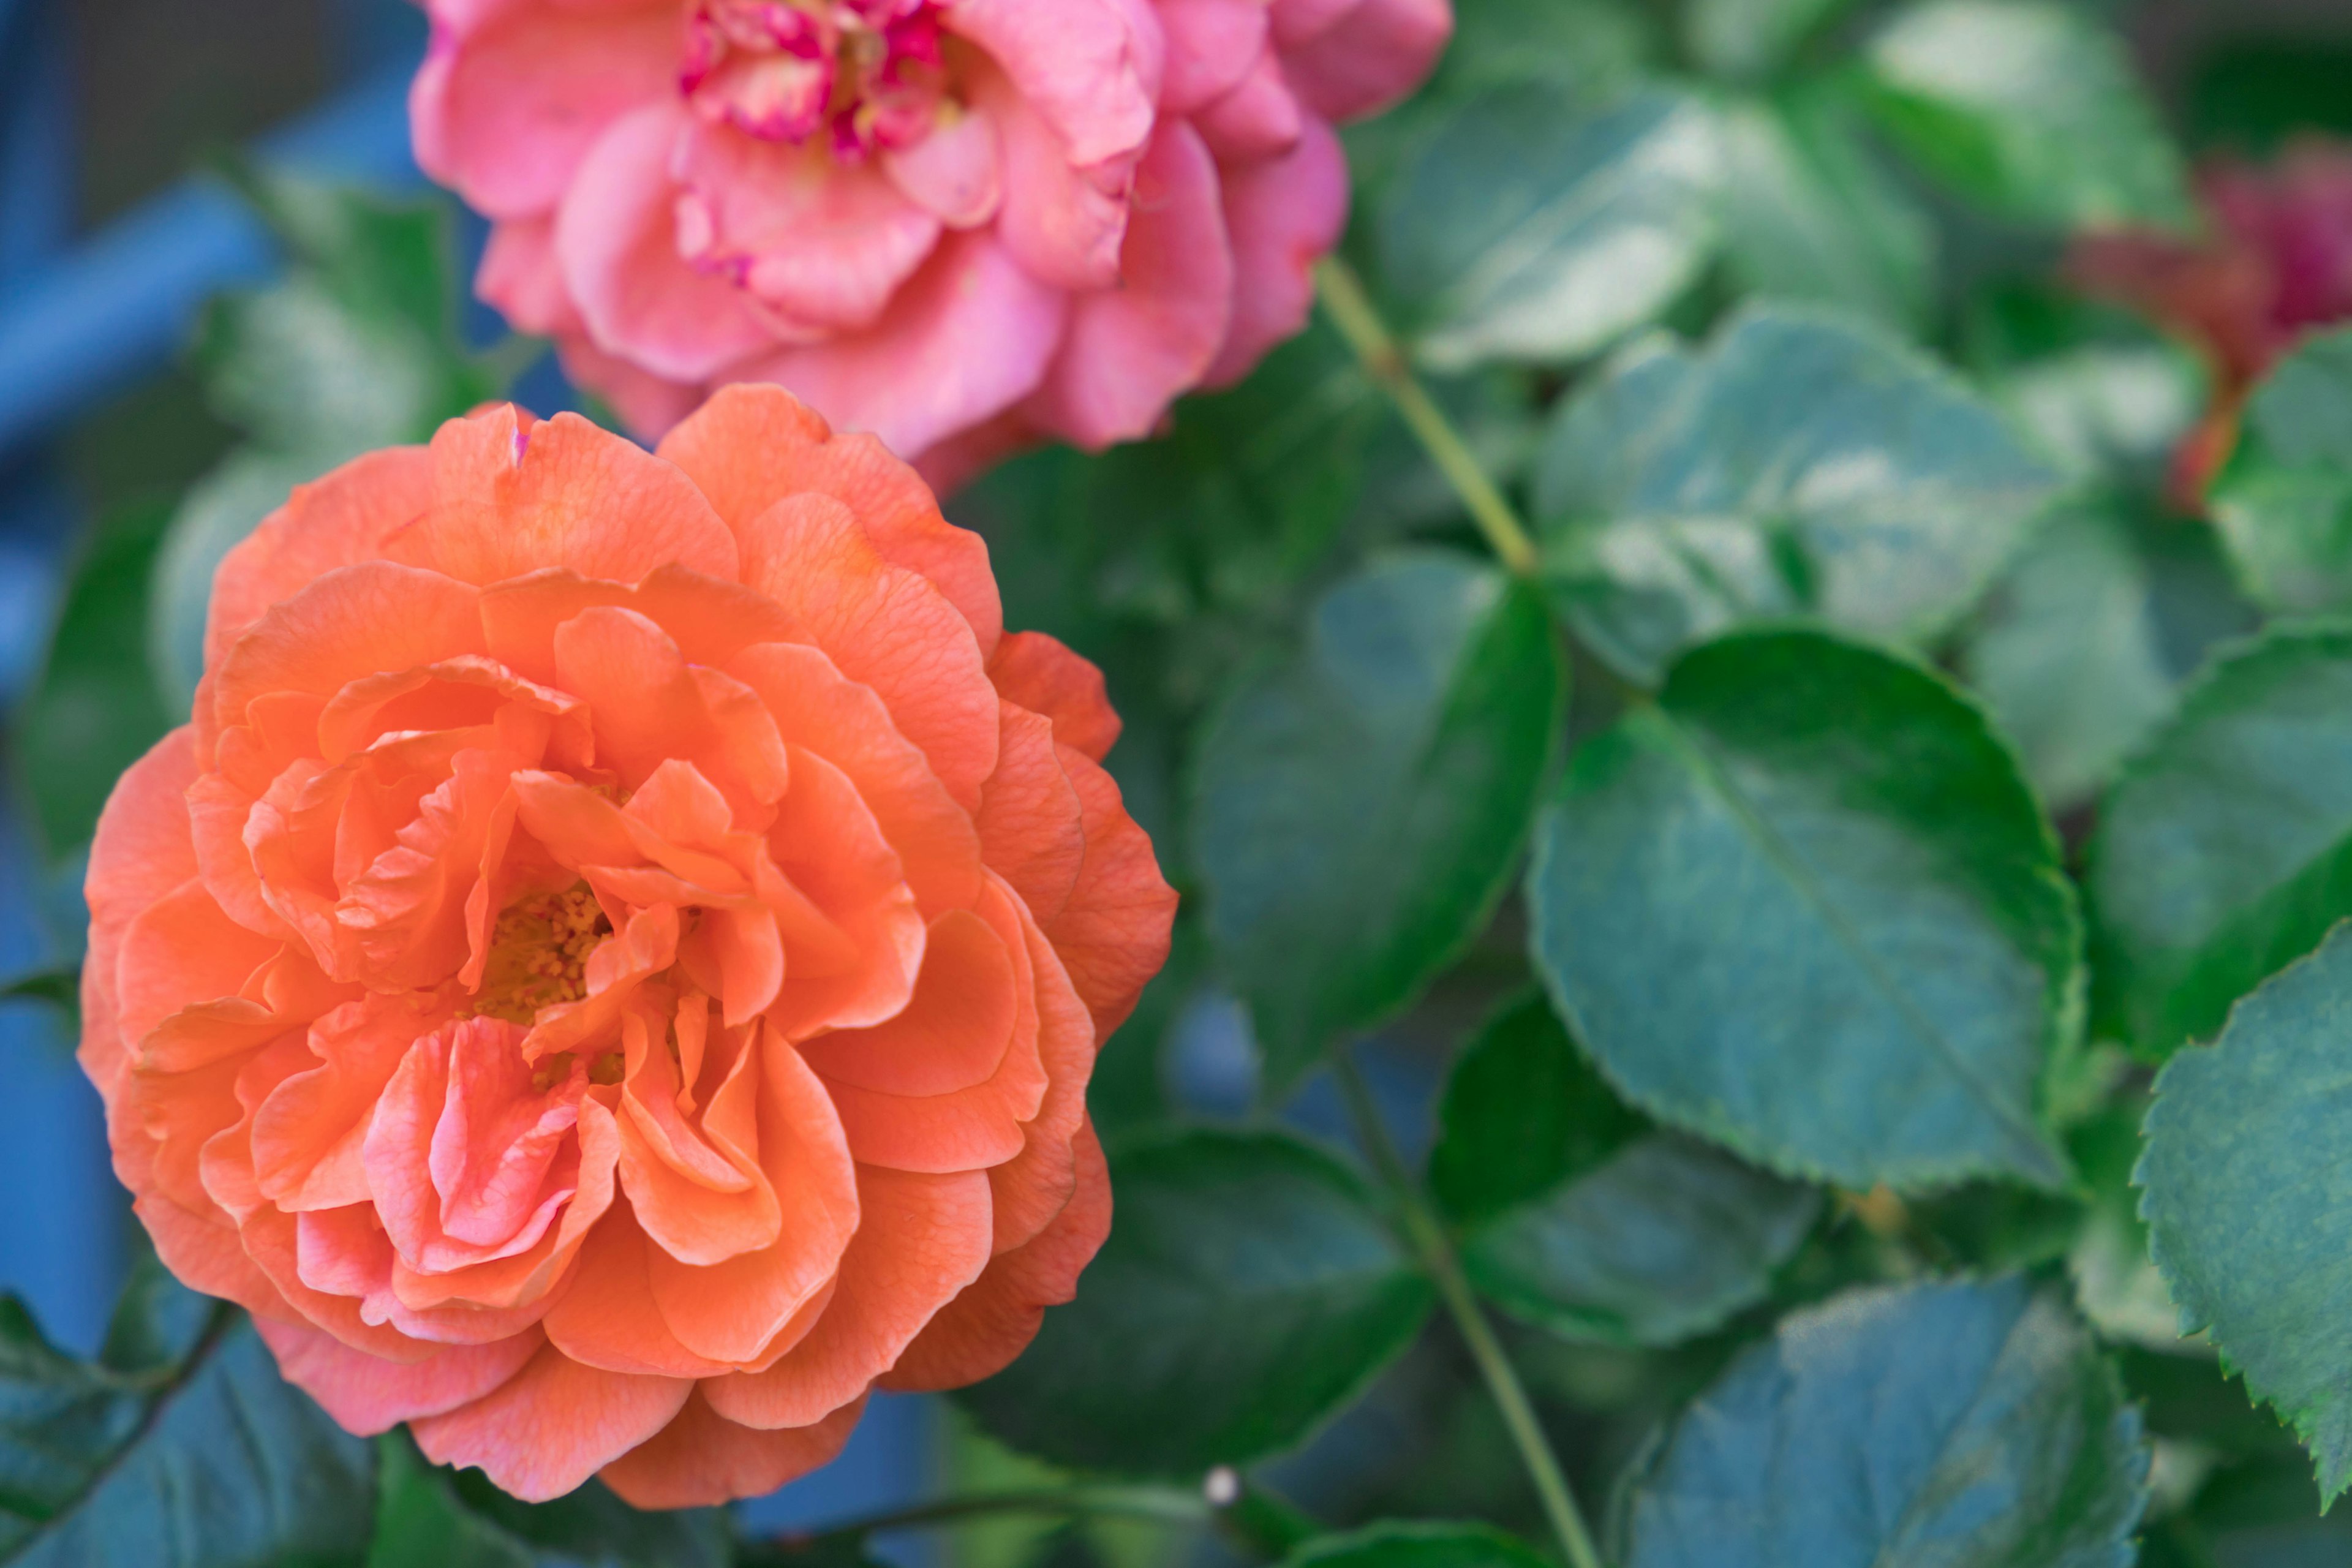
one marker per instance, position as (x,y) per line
(610,972)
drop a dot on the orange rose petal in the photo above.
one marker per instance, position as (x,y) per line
(751,443)
(1029,818)
(953,1032)
(182,946)
(354,622)
(695,1214)
(830,848)
(143,851)
(883,625)
(733,1310)
(920,1239)
(1113,933)
(307,1135)
(821,710)
(206,1254)
(339,520)
(510,500)
(1031,1188)
(552,1426)
(272,1240)
(650,707)
(977,1335)
(702,1458)
(607,1316)
(709,619)
(1044,676)
(367,1395)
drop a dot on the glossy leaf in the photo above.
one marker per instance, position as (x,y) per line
(2029,108)
(1965,1424)
(1664,1239)
(2247,1197)
(1804,906)
(1359,806)
(1523,1112)
(1809,212)
(1528,229)
(1248,1290)
(1421,1544)
(2283,503)
(1802,461)
(2225,850)
(172,1458)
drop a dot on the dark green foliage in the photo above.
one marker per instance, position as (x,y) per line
(1965,1425)
(1805,906)
(1248,1289)
(1359,807)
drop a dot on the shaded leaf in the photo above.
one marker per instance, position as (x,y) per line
(1664,1239)
(431,1517)
(1523,1112)
(1746,39)
(1805,907)
(2030,109)
(1248,1290)
(2225,850)
(1802,461)
(1527,229)
(1395,1543)
(2284,501)
(1810,214)
(205,1462)
(95,709)
(1359,806)
(1964,1424)
(2247,1200)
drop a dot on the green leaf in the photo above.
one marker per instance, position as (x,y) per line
(429,1518)
(1965,1424)
(1421,1544)
(2284,501)
(2029,109)
(205,1459)
(95,710)
(357,347)
(1249,1291)
(2069,655)
(1802,461)
(1522,1113)
(1809,212)
(1805,907)
(1664,1239)
(1745,40)
(2247,1197)
(2225,850)
(1359,805)
(1527,229)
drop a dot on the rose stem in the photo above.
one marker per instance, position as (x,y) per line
(1428,1237)
(1351,310)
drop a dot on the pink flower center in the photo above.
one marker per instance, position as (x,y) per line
(870,74)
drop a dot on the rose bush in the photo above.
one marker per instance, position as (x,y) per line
(960,224)
(610,971)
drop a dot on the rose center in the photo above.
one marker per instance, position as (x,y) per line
(539,953)
(866,74)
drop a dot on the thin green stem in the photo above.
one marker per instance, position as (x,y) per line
(1427,1234)
(1168,1505)
(1352,311)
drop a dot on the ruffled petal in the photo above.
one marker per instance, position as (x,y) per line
(702,1458)
(552,1425)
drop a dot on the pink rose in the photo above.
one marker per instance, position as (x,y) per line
(962,225)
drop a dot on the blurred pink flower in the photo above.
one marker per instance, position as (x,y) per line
(963,225)
(2275,262)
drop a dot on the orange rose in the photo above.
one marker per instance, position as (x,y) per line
(610,972)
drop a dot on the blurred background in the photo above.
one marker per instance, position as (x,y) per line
(119,225)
